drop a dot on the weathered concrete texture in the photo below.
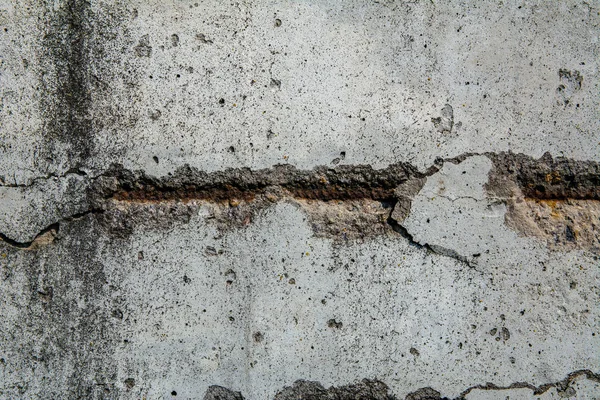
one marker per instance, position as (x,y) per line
(185,308)
(293,200)
(260,82)
(313,390)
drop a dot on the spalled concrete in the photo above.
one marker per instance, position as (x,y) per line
(299,199)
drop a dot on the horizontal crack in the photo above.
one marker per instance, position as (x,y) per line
(354,185)
(545,178)
(35,180)
(321,183)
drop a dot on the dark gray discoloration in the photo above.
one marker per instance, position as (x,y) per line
(78,59)
(424,394)
(220,393)
(66,326)
(546,178)
(366,390)
(67,99)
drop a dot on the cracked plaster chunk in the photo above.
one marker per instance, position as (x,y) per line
(453,212)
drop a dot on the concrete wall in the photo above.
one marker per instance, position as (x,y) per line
(323,199)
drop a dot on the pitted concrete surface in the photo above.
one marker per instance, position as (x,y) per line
(299,199)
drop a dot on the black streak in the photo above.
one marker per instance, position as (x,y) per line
(67,99)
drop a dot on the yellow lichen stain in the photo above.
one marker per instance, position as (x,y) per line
(551,204)
(553,177)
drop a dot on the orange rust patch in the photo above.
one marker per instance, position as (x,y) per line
(550,204)
(553,177)
(570,224)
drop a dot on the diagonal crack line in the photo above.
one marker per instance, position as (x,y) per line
(48,233)
(52,229)
(442,251)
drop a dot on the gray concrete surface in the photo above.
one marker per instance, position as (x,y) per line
(434,231)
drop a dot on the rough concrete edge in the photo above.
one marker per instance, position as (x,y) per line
(509,170)
(377,390)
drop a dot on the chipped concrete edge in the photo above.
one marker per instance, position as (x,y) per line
(513,179)
(377,390)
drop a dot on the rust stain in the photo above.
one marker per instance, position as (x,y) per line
(553,177)
(223,195)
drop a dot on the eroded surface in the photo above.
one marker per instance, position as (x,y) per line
(271,199)
(402,314)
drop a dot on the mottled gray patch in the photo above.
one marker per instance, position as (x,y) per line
(366,389)
(220,393)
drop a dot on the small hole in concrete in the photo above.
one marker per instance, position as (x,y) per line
(332,323)
(155,159)
(129,383)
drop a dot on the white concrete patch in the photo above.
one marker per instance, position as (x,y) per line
(453,212)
